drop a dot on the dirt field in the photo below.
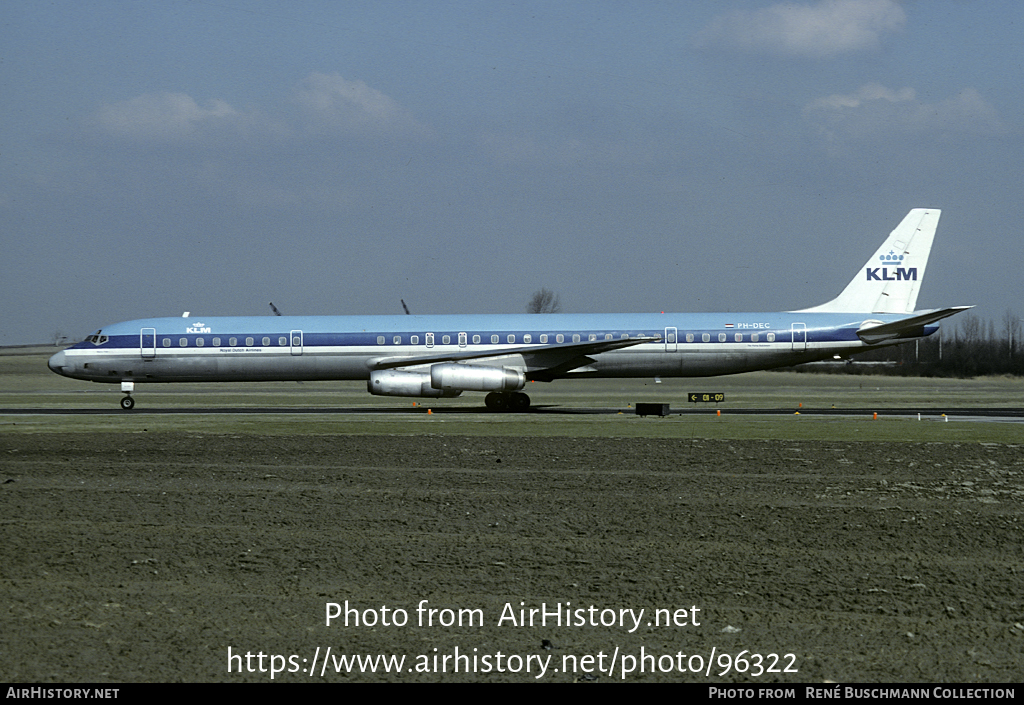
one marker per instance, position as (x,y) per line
(146,556)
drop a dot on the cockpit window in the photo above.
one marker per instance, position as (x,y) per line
(96,338)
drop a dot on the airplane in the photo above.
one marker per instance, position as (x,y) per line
(442,356)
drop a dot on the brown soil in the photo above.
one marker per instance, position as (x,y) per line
(144,557)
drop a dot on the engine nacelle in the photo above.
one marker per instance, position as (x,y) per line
(475,378)
(397,383)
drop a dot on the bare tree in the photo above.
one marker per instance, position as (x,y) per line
(544,301)
(1011,324)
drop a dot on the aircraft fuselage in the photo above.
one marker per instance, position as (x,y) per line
(281,348)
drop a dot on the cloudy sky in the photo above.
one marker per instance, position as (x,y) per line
(336,157)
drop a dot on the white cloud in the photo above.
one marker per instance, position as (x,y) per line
(333,103)
(875,112)
(868,93)
(826,29)
(330,104)
(165,116)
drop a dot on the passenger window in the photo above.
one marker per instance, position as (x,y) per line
(430,340)
(512,338)
(753,337)
(527,338)
(446,340)
(575,337)
(250,341)
(282,341)
(397,340)
(559,338)
(739,337)
(494,339)
(266,340)
(183,342)
(543,337)
(232,342)
(216,342)
(607,336)
(624,336)
(476,340)
(462,339)
(380,340)
(706,337)
(672,337)
(721,337)
(167,342)
(689,337)
(770,337)
(200,342)
(414,339)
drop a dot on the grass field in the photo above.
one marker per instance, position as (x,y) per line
(147,546)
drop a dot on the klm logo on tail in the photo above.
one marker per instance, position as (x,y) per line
(902,273)
(909,274)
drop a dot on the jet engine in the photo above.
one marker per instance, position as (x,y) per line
(445,380)
(397,383)
(477,378)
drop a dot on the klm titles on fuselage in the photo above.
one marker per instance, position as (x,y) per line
(902,274)
(199,327)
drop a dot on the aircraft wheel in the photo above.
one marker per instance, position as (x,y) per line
(496,402)
(519,401)
(127,403)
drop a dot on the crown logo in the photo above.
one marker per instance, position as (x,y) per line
(891,258)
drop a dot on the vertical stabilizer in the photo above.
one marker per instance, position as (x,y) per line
(890,281)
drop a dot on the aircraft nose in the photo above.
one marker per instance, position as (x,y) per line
(56,363)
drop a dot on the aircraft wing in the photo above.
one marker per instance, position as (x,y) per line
(560,357)
(876,332)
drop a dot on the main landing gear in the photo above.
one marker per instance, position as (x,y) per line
(127,403)
(514,401)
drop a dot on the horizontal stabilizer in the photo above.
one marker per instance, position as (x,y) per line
(874,332)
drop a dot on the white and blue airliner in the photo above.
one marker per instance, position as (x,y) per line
(445,355)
